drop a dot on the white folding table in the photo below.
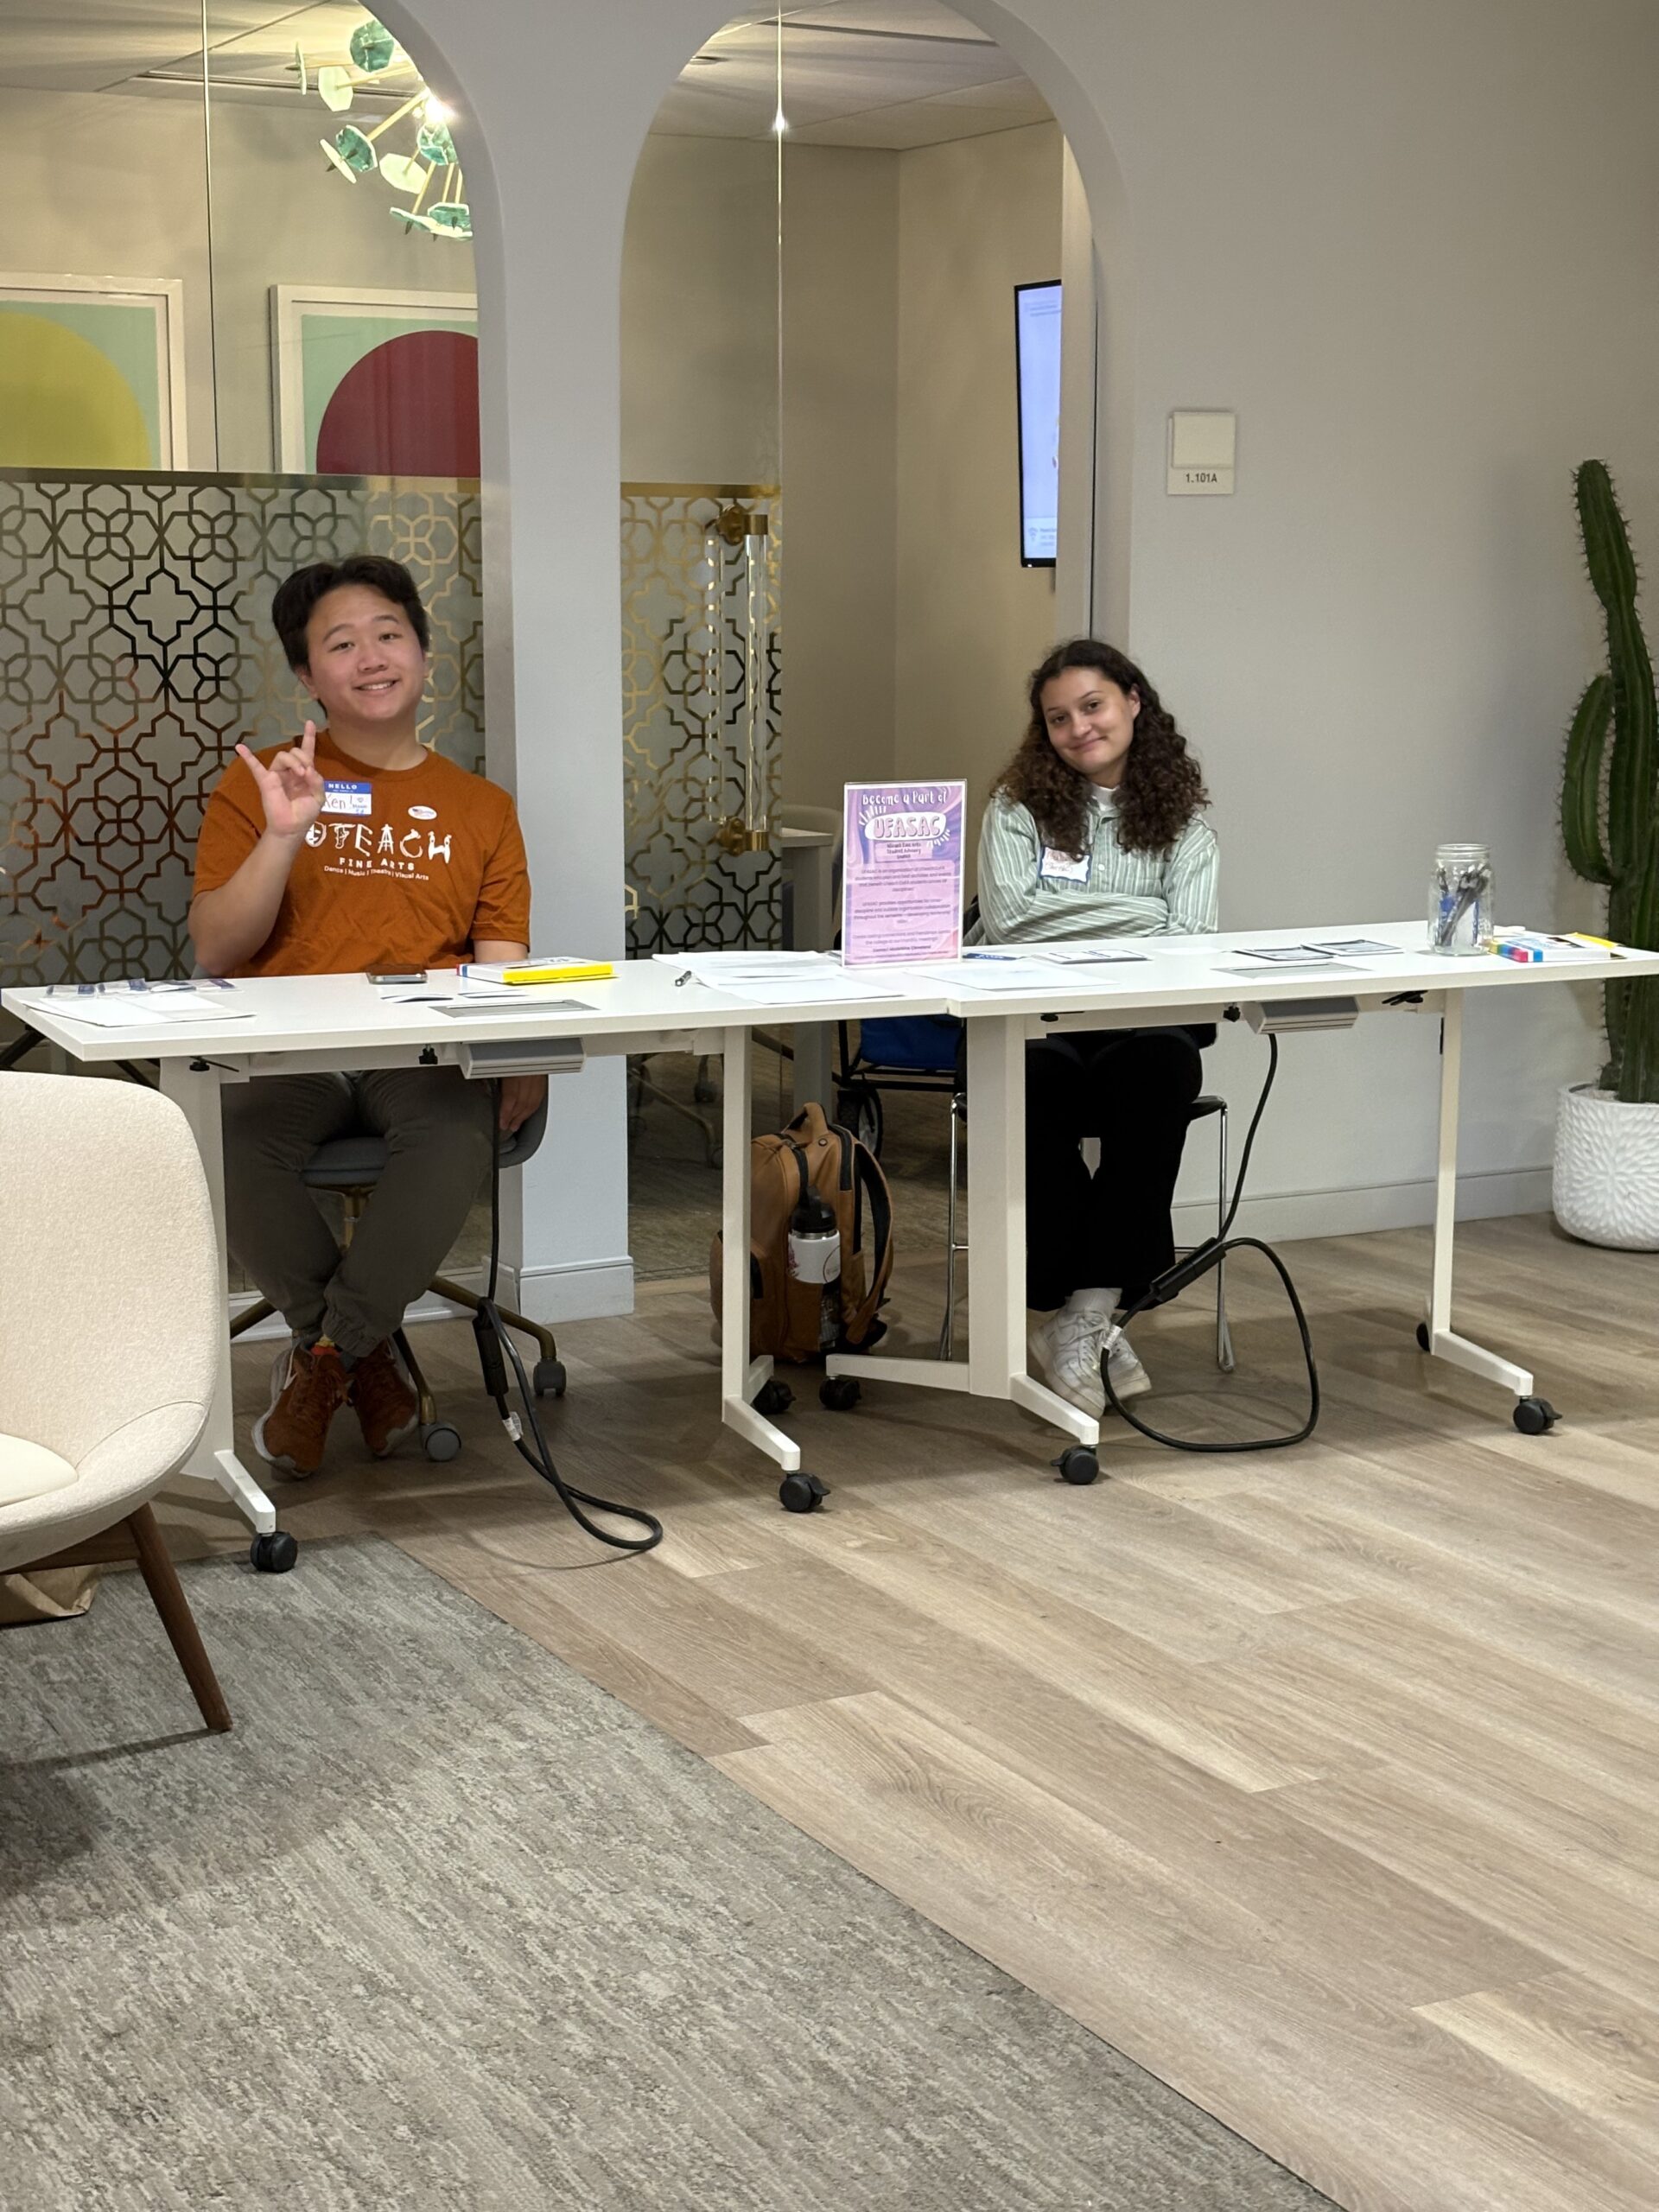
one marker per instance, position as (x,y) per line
(316,1023)
(1194,979)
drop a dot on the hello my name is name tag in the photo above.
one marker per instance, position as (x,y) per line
(347,798)
(1061,867)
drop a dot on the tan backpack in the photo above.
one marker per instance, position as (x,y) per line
(785,1314)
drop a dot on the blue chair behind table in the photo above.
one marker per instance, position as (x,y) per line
(929,1053)
(351,1165)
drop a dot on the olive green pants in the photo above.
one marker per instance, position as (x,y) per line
(439,1130)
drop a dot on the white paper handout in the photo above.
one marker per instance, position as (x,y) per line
(991,972)
(830,986)
(1079,953)
(755,962)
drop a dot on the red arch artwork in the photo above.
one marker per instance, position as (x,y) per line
(408,409)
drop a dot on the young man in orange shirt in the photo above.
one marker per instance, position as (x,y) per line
(355,849)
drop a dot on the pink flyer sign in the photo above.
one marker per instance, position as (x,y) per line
(901,873)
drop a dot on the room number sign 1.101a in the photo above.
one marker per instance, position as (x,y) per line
(1202,447)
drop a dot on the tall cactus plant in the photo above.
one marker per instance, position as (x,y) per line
(1609,793)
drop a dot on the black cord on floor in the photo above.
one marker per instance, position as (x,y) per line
(1200,1262)
(496,1352)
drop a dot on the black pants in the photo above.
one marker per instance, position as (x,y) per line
(1131,1089)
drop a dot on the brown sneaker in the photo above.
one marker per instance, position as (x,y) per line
(308,1388)
(387,1409)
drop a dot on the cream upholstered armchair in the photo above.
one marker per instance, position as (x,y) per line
(108,1332)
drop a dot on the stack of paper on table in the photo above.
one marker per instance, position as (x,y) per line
(120,1006)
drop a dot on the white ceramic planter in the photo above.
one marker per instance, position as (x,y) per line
(1607,1181)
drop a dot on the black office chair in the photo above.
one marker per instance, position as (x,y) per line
(353,1166)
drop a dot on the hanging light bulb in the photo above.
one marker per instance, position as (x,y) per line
(779,124)
(435,109)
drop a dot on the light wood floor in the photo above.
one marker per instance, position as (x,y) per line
(1321,1783)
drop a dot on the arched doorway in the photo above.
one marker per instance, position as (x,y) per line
(837,226)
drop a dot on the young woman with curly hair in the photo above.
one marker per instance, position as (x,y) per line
(1096,829)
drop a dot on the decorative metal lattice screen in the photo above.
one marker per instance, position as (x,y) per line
(701,692)
(135,649)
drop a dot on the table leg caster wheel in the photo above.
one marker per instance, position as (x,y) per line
(549,1379)
(773,1397)
(1422,1336)
(440,1441)
(1535,1416)
(1077,1464)
(274,1552)
(840,1392)
(801,1493)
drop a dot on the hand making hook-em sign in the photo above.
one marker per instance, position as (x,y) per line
(290,789)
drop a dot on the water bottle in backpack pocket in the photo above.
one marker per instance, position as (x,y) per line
(815,1258)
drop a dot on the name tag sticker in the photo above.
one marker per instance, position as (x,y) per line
(347,798)
(1056,867)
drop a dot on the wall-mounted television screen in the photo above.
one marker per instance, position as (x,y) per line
(1036,365)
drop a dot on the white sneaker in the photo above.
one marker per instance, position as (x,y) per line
(1129,1378)
(1066,1347)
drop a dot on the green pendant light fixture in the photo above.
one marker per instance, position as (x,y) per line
(352,152)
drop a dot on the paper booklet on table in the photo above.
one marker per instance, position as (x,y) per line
(534,968)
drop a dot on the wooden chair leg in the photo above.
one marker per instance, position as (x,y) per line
(261,1310)
(162,1579)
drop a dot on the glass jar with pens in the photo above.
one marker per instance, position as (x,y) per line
(1462,917)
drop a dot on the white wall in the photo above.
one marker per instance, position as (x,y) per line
(840,476)
(700,314)
(977,217)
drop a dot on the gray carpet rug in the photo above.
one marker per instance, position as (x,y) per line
(443,1925)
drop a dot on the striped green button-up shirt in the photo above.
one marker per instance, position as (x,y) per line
(1023,896)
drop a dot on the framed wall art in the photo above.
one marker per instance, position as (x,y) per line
(92,373)
(375,383)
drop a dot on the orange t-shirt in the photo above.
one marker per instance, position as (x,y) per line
(404,868)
